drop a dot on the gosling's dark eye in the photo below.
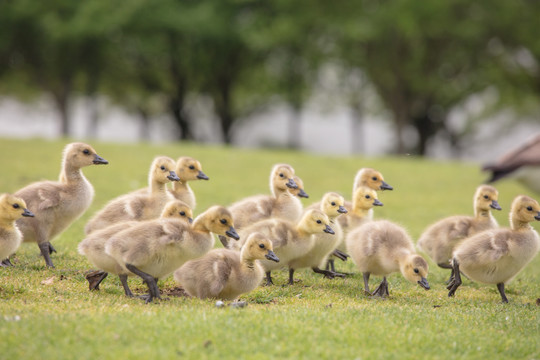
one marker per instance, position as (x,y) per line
(529,208)
(86,152)
(261,246)
(486,197)
(162,167)
(191,167)
(416,271)
(374,178)
(333,203)
(183,213)
(281,175)
(16,206)
(319,222)
(368,197)
(223,221)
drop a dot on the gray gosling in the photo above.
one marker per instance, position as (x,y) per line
(93,246)
(12,208)
(57,204)
(496,256)
(138,206)
(381,248)
(441,238)
(290,240)
(282,204)
(324,244)
(153,249)
(226,274)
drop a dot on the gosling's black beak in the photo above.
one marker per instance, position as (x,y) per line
(377,203)
(271,256)
(342,210)
(99,160)
(385,186)
(329,230)
(232,233)
(303,194)
(202,176)
(190,220)
(537,217)
(495,205)
(291,184)
(423,283)
(172,176)
(27,213)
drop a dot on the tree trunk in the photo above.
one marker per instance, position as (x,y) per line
(176,106)
(144,134)
(426,130)
(295,129)
(357,130)
(61,99)
(224,112)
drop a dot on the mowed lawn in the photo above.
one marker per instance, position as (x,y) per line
(50,314)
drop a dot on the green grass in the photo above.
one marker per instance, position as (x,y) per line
(50,314)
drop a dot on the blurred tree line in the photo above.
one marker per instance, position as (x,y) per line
(421,58)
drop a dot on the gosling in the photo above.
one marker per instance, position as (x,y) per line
(155,248)
(226,274)
(282,204)
(496,256)
(137,206)
(381,248)
(324,244)
(289,240)
(371,178)
(12,208)
(57,204)
(441,238)
(93,246)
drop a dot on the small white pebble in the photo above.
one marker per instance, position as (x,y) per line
(12,318)
(220,304)
(508,318)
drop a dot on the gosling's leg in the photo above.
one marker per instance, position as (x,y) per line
(366,281)
(330,265)
(340,255)
(269,278)
(6,262)
(123,280)
(153,291)
(500,287)
(455,280)
(291,276)
(327,273)
(95,278)
(382,289)
(46,250)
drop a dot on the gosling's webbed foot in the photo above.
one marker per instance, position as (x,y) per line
(269,281)
(455,280)
(341,255)
(328,273)
(382,289)
(95,278)
(153,291)
(6,262)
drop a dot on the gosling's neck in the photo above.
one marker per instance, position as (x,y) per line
(248,262)
(7,224)
(180,186)
(199,224)
(361,212)
(482,214)
(70,174)
(157,187)
(518,225)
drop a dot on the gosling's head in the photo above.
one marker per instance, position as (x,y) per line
(299,190)
(188,169)
(524,210)
(281,178)
(365,198)
(179,210)
(332,204)
(162,170)
(315,221)
(415,269)
(13,208)
(372,179)
(258,247)
(485,198)
(219,220)
(80,155)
